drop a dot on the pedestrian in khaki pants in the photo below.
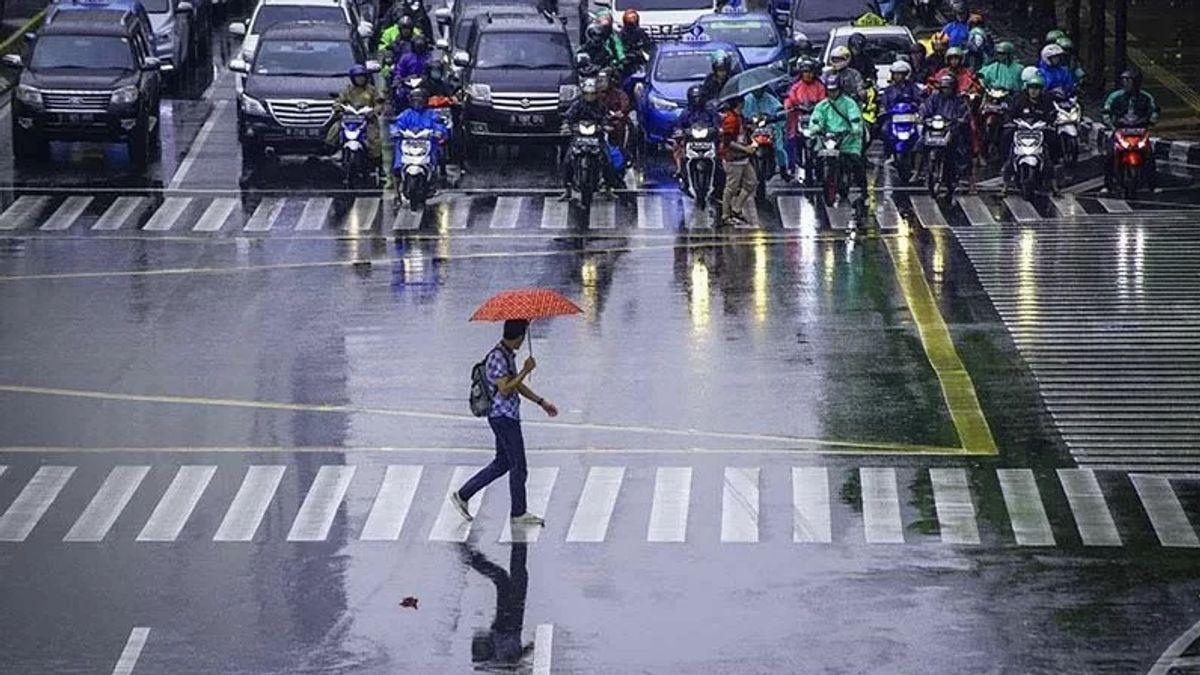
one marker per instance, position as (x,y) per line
(741,180)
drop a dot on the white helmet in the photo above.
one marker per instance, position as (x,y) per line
(1050,51)
(1028,73)
(840,57)
(901,67)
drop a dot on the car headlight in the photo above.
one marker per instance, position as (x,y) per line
(567,93)
(252,106)
(125,95)
(29,96)
(480,93)
(662,104)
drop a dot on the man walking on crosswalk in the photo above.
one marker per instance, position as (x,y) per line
(507,386)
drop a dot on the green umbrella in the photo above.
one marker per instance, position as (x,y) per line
(752,80)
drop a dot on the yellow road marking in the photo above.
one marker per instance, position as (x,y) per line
(957,388)
(832,446)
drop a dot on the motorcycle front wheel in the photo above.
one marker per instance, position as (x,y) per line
(830,182)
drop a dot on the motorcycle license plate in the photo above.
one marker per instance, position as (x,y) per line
(937,141)
(700,147)
(303,132)
(904,119)
(528,120)
(827,152)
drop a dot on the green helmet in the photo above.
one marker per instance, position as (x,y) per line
(1035,81)
(1055,35)
(1006,48)
(1066,43)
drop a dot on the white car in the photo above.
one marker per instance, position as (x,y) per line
(884,45)
(664,20)
(271,12)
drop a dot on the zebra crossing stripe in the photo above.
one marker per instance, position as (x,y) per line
(810,494)
(67,213)
(265,215)
(315,214)
(456,213)
(506,213)
(955,510)
(651,212)
(22,212)
(928,212)
(739,505)
(543,645)
(695,218)
(216,214)
(838,217)
(392,503)
(554,214)
(1030,525)
(450,525)
(1067,206)
(107,504)
(1115,205)
(1092,517)
(321,504)
(176,506)
(167,214)
(361,216)
(602,215)
(33,501)
(881,506)
(539,485)
(120,212)
(976,211)
(1165,512)
(132,651)
(669,510)
(250,503)
(596,504)
(887,215)
(1022,210)
(796,212)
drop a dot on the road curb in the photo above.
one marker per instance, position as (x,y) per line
(1179,152)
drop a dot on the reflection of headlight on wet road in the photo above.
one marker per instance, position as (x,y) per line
(700,295)
(1027,302)
(760,278)
(587,280)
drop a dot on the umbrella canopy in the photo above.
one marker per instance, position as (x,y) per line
(525,303)
(752,80)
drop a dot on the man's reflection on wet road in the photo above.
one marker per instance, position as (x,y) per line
(500,649)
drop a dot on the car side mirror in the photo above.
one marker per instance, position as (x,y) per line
(442,14)
(151,64)
(13,61)
(31,37)
(442,44)
(373,66)
(239,66)
(185,8)
(365,30)
(238,28)
(462,59)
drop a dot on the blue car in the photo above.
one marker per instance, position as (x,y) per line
(753,33)
(675,66)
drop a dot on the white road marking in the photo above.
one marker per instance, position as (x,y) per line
(881,506)
(1115,205)
(739,505)
(1022,210)
(839,217)
(407,219)
(167,214)
(361,216)
(392,503)
(1092,516)
(669,510)
(596,504)
(1025,509)
(133,651)
(1177,153)
(22,212)
(177,504)
(506,213)
(603,215)
(554,214)
(66,213)
(1068,206)
(457,212)
(1165,512)
(120,212)
(810,495)
(201,138)
(321,504)
(543,643)
(1173,654)
(955,510)
(651,212)
(250,503)
(450,525)
(107,504)
(928,212)
(886,214)
(538,486)
(795,212)
(216,214)
(264,216)
(315,214)
(977,212)
(33,501)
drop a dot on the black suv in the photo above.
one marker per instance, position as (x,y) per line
(287,103)
(519,79)
(90,77)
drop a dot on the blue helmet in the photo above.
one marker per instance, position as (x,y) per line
(359,70)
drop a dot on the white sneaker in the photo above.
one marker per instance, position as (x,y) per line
(528,519)
(460,505)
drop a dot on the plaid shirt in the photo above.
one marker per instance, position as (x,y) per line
(501,363)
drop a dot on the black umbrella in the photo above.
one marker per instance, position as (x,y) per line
(752,80)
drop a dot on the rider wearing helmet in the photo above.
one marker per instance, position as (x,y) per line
(900,89)
(764,103)
(418,117)
(958,29)
(595,46)
(412,63)
(937,60)
(1004,72)
(610,39)
(852,81)
(722,70)
(1071,58)
(698,113)
(840,114)
(587,108)
(1130,106)
(980,47)
(616,101)
(803,95)
(857,44)
(1055,71)
(635,40)
(397,38)
(584,66)
(957,68)
(420,15)
(360,93)
(1032,105)
(949,104)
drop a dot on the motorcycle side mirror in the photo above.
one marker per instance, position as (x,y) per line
(185,8)
(237,28)
(373,66)
(239,66)
(442,44)
(151,64)
(365,30)
(13,61)
(462,59)
(442,14)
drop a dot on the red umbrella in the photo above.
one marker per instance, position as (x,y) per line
(525,303)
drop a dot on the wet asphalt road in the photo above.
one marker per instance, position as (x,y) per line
(231,417)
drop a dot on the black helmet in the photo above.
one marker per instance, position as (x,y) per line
(857,42)
(948,80)
(594,33)
(435,69)
(695,96)
(722,59)
(582,61)
(405,21)
(417,98)
(420,45)
(1133,75)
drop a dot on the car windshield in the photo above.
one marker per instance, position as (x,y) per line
(270,15)
(681,66)
(743,33)
(834,10)
(156,6)
(91,52)
(664,5)
(531,51)
(881,49)
(463,32)
(308,58)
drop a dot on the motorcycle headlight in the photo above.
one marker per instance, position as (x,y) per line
(126,95)
(29,96)
(252,106)
(567,93)
(480,93)
(662,104)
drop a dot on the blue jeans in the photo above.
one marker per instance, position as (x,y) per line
(510,459)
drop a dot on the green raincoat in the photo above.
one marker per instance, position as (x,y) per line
(997,75)
(842,115)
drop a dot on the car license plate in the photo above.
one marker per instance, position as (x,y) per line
(303,132)
(524,120)
(77,118)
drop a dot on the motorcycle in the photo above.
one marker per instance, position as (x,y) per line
(1029,156)
(804,154)
(587,142)
(763,159)
(904,134)
(354,160)
(1131,150)
(700,162)
(1067,126)
(992,113)
(829,159)
(416,166)
(443,107)
(400,91)
(943,167)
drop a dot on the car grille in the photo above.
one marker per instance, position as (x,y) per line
(525,101)
(300,112)
(76,101)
